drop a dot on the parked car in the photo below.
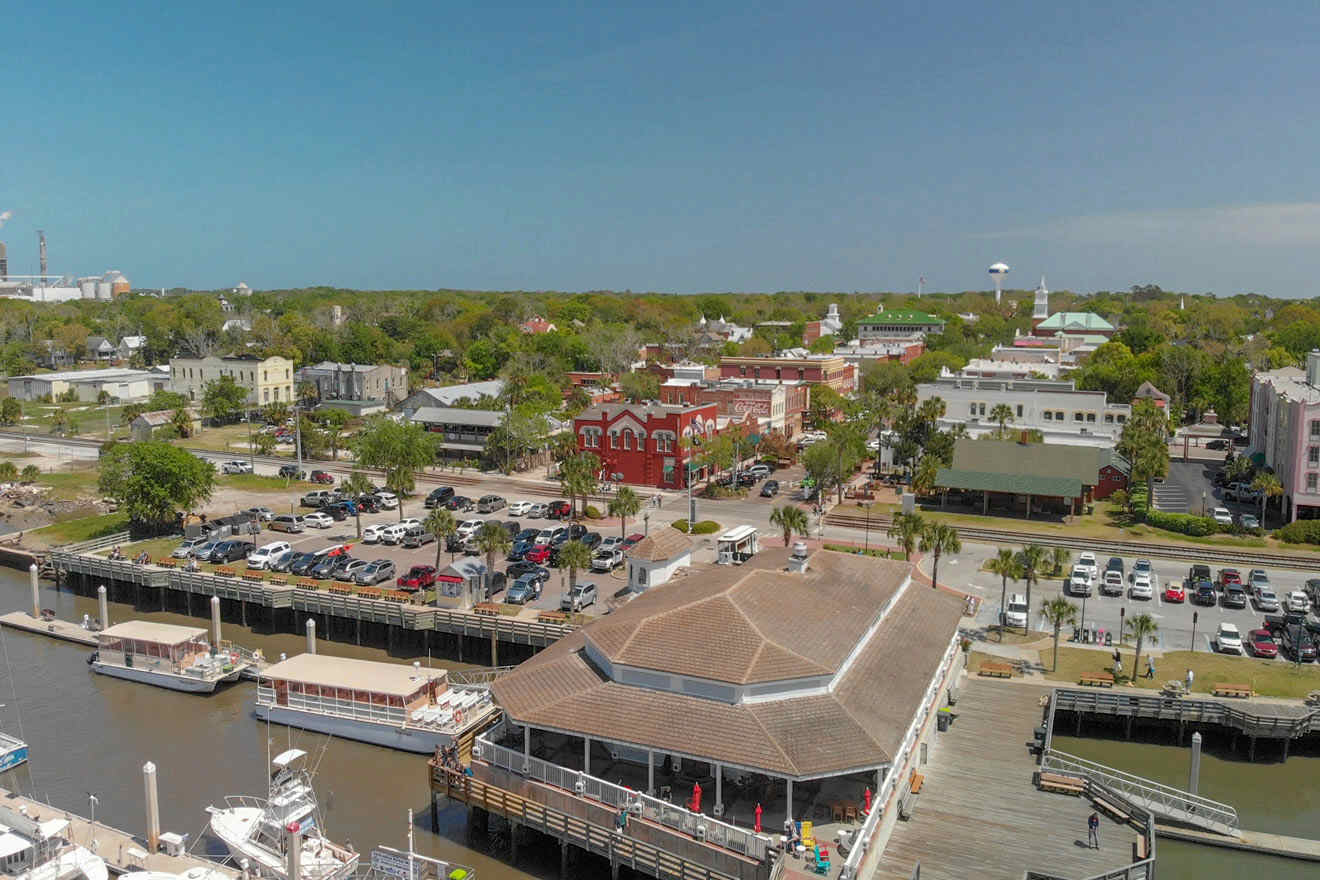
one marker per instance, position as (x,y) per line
(287,522)
(261,557)
(519,548)
(607,560)
(438,496)
(1312,590)
(1234,596)
(236,467)
(1087,561)
(419,577)
(334,566)
(468,527)
(1143,566)
(1203,593)
(520,508)
(1079,582)
(388,500)
(547,536)
(291,472)
(416,536)
(538,553)
(760,471)
(590,539)
(631,540)
(318,520)
(538,511)
(1016,612)
(281,562)
(315,499)
(1174,592)
(393,534)
(1141,588)
(1198,572)
(1227,639)
(337,511)
(560,510)
(1248,521)
(323,477)
(1264,599)
(367,503)
(228,551)
(374,572)
(1296,644)
(1297,603)
(576,531)
(609,543)
(1261,644)
(303,563)
(371,534)
(1116,564)
(1228,576)
(770,488)
(459,502)
(185,550)
(512,528)
(1111,584)
(1258,577)
(579,597)
(1222,516)
(518,569)
(490,503)
(525,589)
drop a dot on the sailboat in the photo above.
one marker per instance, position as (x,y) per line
(260,830)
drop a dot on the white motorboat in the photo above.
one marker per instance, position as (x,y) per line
(177,657)
(260,830)
(387,704)
(198,873)
(44,850)
(13,751)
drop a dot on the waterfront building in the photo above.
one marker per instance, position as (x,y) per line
(268,380)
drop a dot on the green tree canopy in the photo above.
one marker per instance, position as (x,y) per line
(153,480)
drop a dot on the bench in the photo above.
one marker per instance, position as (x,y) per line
(552,617)
(278,582)
(225,572)
(916,782)
(1059,783)
(1141,849)
(253,578)
(487,608)
(1112,811)
(1097,679)
(996,670)
(166,562)
(1232,690)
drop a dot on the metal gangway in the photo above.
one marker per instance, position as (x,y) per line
(1164,801)
(477,679)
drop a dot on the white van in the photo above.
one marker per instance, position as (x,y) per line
(1016,612)
(263,556)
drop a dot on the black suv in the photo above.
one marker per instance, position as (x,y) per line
(291,472)
(1296,643)
(228,551)
(1203,593)
(438,496)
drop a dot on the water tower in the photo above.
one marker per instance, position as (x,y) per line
(997,272)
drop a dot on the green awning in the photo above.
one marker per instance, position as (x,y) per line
(1014,484)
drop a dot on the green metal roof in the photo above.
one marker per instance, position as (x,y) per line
(1016,484)
(901,316)
(1079,320)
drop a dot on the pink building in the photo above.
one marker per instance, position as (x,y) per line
(1285,433)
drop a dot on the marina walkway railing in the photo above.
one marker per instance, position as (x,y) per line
(94,544)
(1162,800)
(477,678)
(1187,709)
(1140,869)
(699,825)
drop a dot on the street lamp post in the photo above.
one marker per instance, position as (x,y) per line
(866,549)
(1084,595)
(1195,615)
(297,441)
(1122,616)
(646,523)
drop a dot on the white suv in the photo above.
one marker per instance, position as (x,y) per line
(1016,613)
(1228,640)
(262,557)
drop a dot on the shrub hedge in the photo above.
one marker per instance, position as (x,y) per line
(705,527)
(1183,523)
(1303,531)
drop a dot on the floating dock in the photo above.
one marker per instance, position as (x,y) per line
(120,850)
(57,629)
(1251,841)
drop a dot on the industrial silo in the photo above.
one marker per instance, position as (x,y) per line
(118,283)
(104,289)
(88,287)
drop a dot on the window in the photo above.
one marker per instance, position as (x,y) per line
(265,375)
(1019,410)
(1078,417)
(1058,415)
(265,395)
(1090,417)
(1315,427)
(1122,419)
(980,409)
(614,440)
(1310,482)
(1109,418)
(971,409)
(1313,455)
(627,439)
(1049,416)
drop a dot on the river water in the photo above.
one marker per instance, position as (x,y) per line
(91,734)
(1269,795)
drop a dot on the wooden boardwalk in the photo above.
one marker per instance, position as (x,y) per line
(979,815)
(57,629)
(118,848)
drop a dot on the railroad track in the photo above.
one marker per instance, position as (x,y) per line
(1247,558)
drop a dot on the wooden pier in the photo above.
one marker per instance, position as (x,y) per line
(57,629)
(1250,841)
(120,850)
(980,816)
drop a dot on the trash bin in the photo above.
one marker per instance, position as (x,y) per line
(942,719)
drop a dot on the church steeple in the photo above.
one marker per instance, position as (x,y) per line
(1041,310)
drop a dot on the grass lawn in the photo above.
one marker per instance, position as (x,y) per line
(220,440)
(82,529)
(76,481)
(258,483)
(1270,678)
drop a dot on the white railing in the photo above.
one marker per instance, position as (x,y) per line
(1163,800)
(91,546)
(699,825)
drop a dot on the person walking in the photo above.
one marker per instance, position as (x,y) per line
(1093,831)
(1150,667)
(1118,664)
(1191,676)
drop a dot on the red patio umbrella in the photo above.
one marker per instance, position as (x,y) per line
(695,804)
(758,819)
(867,796)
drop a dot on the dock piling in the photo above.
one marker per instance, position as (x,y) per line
(215,622)
(1194,775)
(103,606)
(36,596)
(153,807)
(311,635)
(293,850)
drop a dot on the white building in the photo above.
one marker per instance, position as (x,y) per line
(1055,408)
(992,368)
(450,395)
(655,559)
(727,330)
(266,381)
(121,385)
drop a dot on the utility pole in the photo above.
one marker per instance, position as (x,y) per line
(297,441)
(252,452)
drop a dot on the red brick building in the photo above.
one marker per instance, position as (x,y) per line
(643,441)
(776,406)
(828,370)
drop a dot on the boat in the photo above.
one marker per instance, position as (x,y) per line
(13,751)
(44,850)
(177,657)
(386,704)
(260,830)
(197,873)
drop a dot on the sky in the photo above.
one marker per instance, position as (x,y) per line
(678,146)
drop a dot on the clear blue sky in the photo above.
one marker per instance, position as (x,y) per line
(679,146)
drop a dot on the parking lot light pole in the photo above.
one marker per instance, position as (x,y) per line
(1195,615)
(1084,595)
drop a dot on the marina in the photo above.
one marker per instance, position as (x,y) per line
(176,657)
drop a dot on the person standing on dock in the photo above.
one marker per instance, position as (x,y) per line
(1093,830)
(1190,678)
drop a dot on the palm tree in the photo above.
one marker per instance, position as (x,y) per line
(577,476)
(790,518)
(938,538)
(905,528)
(182,422)
(31,473)
(1006,565)
(356,484)
(442,524)
(1142,627)
(1059,559)
(1058,611)
(1239,469)
(624,504)
(1032,559)
(1003,414)
(1268,486)
(493,540)
(574,555)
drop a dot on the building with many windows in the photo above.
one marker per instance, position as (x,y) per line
(267,381)
(1285,433)
(357,382)
(776,405)
(889,324)
(1057,409)
(824,369)
(644,443)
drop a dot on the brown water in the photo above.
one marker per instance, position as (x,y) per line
(1269,795)
(92,733)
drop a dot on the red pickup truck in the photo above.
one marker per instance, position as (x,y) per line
(419,577)
(560,510)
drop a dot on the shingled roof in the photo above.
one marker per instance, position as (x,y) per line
(664,544)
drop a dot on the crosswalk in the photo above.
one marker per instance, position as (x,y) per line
(1170,498)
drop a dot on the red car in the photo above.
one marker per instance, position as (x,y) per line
(1228,576)
(1262,644)
(419,577)
(1174,592)
(323,478)
(631,540)
(560,510)
(540,554)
